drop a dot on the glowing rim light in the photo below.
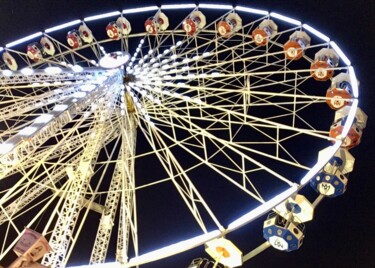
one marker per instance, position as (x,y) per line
(27,71)
(53,70)
(77,68)
(140,9)
(350,118)
(178,6)
(316,32)
(102,16)
(62,26)
(24,39)
(27,131)
(7,72)
(340,53)
(252,10)
(285,18)
(262,209)
(354,82)
(114,60)
(44,118)
(60,107)
(104,265)
(173,249)
(6,147)
(213,6)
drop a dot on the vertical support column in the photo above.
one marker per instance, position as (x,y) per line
(128,220)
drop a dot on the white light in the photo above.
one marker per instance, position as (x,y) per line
(353,82)
(142,41)
(262,209)
(60,107)
(178,6)
(27,38)
(1,49)
(179,43)
(62,26)
(196,57)
(114,59)
(205,54)
(77,68)
(215,74)
(166,51)
(88,87)
(320,164)
(350,118)
(252,10)
(98,265)
(93,62)
(6,148)
(53,70)
(174,249)
(7,72)
(186,60)
(27,71)
(174,56)
(340,53)
(27,131)
(101,16)
(214,6)
(141,9)
(44,118)
(316,32)
(285,18)
(79,94)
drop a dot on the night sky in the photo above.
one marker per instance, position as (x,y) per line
(341,233)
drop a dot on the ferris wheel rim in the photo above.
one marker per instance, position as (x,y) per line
(268,205)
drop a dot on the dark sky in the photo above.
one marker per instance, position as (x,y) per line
(341,234)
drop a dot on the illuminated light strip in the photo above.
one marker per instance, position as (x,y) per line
(252,10)
(62,26)
(340,53)
(141,9)
(316,32)
(262,209)
(102,16)
(177,6)
(350,118)
(27,38)
(6,148)
(321,163)
(104,265)
(1,49)
(173,249)
(354,82)
(213,6)
(285,18)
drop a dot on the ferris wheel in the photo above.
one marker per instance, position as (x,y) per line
(141,134)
